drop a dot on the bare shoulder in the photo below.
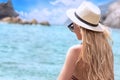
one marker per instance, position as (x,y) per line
(75,48)
(74,51)
(70,63)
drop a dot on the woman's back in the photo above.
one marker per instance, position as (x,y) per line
(81,71)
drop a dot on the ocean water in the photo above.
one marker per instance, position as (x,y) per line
(34,52)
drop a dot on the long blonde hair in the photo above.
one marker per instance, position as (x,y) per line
(97,54)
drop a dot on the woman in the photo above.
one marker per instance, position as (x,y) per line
(93,59)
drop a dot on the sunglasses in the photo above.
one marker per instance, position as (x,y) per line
(71,27)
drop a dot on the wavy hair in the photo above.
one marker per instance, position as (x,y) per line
(97,54)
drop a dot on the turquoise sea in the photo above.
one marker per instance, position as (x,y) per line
(34,52)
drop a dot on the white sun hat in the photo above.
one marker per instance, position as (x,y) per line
(87,15)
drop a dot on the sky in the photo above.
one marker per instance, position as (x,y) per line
(53,11)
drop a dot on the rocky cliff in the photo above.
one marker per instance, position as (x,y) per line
(111,14)
(7,10)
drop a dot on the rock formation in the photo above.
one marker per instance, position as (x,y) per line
(34,21)
(113,17)
(17,20)
(114,6)
(45,23)
(7,10)
(8,14)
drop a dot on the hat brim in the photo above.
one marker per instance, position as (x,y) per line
(72,17)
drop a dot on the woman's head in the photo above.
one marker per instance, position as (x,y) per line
(87,15)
